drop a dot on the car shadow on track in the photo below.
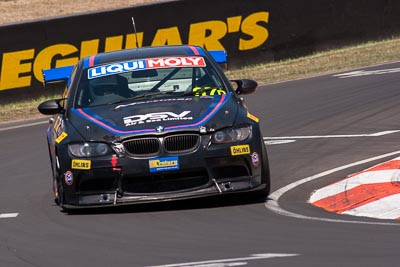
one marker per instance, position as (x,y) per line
(189,204)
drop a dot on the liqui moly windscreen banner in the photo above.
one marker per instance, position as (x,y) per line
(142,64)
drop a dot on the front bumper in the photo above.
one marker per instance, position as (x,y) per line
(207,171)
(112,199)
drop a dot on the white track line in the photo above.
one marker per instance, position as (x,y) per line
(8,215)
(215,262)
(332,136)
(360,73)
(332,73)
(23,125)
(273,203)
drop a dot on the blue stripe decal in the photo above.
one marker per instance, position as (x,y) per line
(215,106)
(95,60)
(189,50)
(201,52)
(86,62)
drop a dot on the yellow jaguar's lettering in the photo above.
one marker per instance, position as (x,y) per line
(13,65)
(234,23)
(89,48)
(208,34)
(169,36)
(18,68)
(130,41)
(113,43)
(259,34)
(45,58)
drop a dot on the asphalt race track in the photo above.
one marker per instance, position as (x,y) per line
(312,125)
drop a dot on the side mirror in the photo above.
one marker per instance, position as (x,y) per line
(50,107)
(245,86)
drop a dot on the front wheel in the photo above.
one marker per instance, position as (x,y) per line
(58,188)
(60,197)
(58,193)
(265,176)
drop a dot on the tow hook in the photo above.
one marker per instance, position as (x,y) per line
(223,187)
(217,186)
(115,197)
(104,198)
(227,186)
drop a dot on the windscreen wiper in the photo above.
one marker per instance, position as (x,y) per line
(143,96)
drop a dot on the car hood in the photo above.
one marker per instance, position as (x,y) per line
(155,116)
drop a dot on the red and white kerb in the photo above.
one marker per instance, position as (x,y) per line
(374,192)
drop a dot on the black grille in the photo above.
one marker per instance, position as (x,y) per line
(181,143)
(98,180)
(143,146)
(172,144)
(165,182)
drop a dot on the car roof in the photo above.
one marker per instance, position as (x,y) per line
(142,53)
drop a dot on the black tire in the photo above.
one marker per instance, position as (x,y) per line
(55,191)
(265,176)
(60,198)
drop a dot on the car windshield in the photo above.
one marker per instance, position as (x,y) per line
(127,81)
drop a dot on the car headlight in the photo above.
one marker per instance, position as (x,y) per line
(87,150)
(231,135)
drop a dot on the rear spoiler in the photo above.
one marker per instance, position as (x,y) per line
(63,74)
(219,56)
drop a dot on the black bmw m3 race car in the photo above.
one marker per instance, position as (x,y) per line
(152,124)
